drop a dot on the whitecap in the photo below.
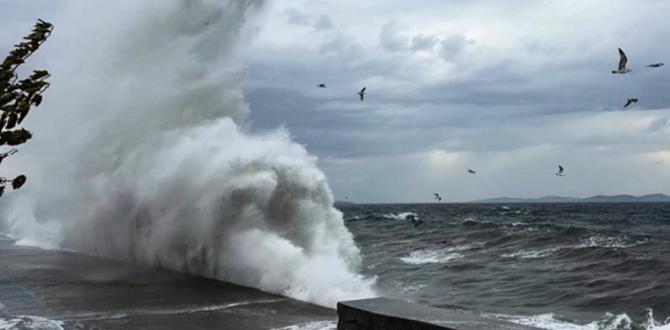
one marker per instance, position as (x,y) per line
(616,242)
(317,325)
(400,215)
(29,322)
(598,241)
(609,321)
(532,254)
(549,321)
(441,256)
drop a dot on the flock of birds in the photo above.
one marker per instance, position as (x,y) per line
(621,69)
(561,172)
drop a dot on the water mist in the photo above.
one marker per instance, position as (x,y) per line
(141,153)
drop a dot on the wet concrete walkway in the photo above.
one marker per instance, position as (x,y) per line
(87,292)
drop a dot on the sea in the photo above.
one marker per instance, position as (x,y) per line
(553,266)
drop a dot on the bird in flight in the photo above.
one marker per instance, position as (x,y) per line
(623,60)
(471,171)
(655,65)
(321,85)
(629,102)
(560,171)
(437,197)
(362,93)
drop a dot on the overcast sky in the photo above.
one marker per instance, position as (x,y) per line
(510,89)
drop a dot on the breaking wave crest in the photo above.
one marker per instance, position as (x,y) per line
(28,323)
(609,321)
(151,161)
(316,325)
(596,241)
(436,256)
(399,216)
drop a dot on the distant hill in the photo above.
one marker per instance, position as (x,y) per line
(651,198)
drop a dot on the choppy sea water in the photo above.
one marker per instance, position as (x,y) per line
(555,266)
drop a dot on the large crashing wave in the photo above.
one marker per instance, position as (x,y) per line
(141,154)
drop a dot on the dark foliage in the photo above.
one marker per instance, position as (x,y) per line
(18,96)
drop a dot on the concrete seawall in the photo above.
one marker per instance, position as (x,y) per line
(392,314)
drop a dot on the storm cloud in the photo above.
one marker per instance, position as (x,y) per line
(512,89)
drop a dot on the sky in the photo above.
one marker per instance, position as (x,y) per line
(510,89)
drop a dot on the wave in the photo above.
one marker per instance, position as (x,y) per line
(532,254)
(29,322)
(596,241)
(608,322)
(413,288)
(508,211)
(399,216)
(154,162)
(383,216)
(435,256)
(472,222)
(316,325)
(612,242)
(354,218)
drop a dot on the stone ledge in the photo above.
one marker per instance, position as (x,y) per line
(392,314)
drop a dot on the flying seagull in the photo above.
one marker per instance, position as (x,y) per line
(321,85)
(629,102)
(471,171)
(655,65)
(362,93)
(560,171)
(622,63)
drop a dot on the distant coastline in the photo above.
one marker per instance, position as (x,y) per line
(650,198)
(623,198)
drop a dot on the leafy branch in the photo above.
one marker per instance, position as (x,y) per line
(17,97)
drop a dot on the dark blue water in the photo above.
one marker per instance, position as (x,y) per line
(558,266)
